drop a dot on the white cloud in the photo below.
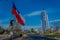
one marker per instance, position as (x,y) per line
(54,20)
(29,27)
(5,25)
(4,20)
(33,13)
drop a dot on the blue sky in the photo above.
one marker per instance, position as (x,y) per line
(30,10)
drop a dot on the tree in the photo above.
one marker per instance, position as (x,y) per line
(32,29)
(17,28)
(56,25)
(1,30)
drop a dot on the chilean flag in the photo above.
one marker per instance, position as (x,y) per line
(15,12)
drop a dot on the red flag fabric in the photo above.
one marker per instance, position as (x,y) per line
(18,17)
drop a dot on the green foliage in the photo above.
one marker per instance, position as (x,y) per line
(53,36)
(33,31)
(16,28)
(18,33)
(6,30)
(1,30)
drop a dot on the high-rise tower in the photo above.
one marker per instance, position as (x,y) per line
(44,20)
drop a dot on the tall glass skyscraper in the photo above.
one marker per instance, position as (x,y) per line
(44,20)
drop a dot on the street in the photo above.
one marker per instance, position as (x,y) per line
(35,37)
(31,37)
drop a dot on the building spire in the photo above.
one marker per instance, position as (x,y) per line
(43,9)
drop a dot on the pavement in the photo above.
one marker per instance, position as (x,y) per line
(34,37)
(31,37)
(37,37)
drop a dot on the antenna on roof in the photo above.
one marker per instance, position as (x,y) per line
(43,9)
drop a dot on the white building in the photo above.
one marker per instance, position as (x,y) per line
(44,20)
